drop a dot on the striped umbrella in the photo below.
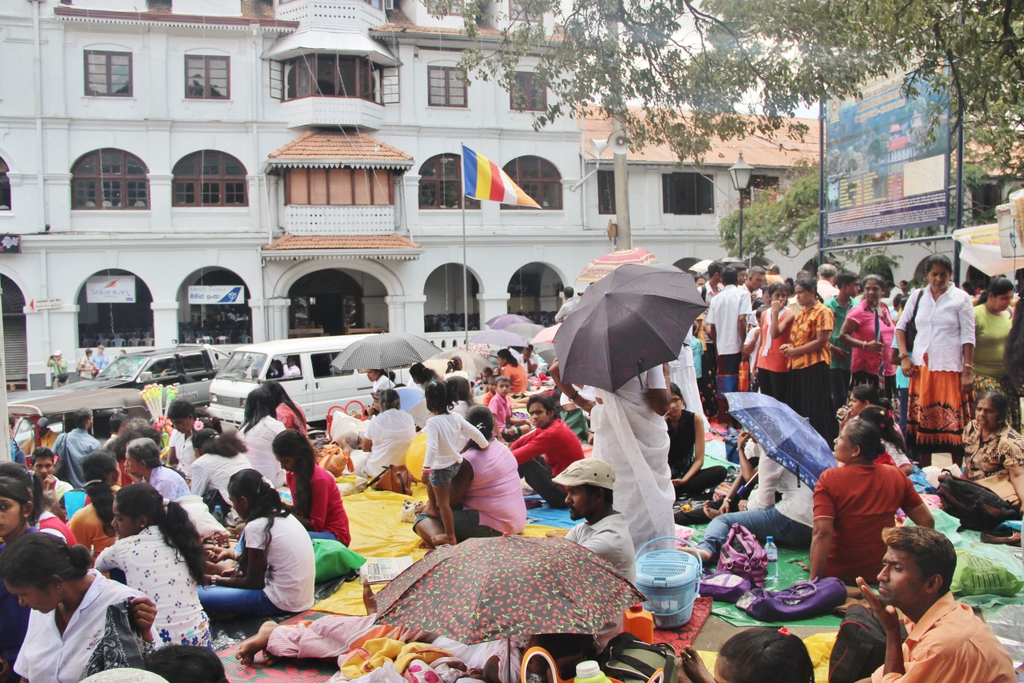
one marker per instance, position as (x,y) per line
(385,350)
(602,265)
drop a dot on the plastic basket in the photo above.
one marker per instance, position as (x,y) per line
(671,581)
(74,501)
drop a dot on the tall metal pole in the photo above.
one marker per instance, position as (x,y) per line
(5,444)
(621,173)
(465,276)
(740,255)
(821,182)
(959,199)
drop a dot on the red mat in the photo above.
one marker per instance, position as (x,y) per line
(682,637)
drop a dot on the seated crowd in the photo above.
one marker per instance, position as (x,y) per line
(491,442)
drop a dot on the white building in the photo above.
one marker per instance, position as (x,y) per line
(307,150)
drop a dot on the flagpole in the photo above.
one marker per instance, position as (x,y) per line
(465,275)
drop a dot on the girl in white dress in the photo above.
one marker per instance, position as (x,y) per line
(159,552)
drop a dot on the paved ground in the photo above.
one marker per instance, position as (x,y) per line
(716,631)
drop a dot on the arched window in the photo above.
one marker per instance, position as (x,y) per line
(209,178)
(5,187)
(539,178)
(109,179)
(441,183)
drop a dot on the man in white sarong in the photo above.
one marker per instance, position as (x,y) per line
(631,435)
(683,372)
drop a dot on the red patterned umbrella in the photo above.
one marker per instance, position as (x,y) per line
(603,265)
(488,588)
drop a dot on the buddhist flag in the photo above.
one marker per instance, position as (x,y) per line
(482,179)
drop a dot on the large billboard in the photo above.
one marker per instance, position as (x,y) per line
(886,167)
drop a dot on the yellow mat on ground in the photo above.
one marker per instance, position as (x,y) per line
(378,531)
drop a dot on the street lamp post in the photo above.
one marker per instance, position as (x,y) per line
(740,174)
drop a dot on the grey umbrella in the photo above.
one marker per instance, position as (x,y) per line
(385,350)
(528,330)
(500,338)
(634,319)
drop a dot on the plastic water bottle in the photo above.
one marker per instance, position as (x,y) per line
(218,514)
(773,560)
(590,672)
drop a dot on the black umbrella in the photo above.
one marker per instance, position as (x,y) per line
(634,319)
(384,351)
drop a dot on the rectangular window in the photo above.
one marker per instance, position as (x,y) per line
(193,362)
(389,86)
(605,192)
(108,74)
(323,366)
(445,88)
(529,94)
(687,194)
(334,187)
(207,78)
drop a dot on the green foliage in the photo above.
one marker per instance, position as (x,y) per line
(737,68)
(784,223)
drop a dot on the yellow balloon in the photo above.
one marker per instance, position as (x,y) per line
(415,455)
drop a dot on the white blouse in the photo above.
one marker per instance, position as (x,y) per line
(48,656)
(257,443)
(943,327)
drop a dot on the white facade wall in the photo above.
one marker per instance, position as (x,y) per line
(47,123)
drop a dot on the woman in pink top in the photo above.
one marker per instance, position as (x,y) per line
(287,411)
(869,330)
(772,366)
(486,495)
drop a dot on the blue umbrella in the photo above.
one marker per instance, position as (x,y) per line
(409,396)
(786,437)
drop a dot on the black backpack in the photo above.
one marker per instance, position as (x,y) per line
(627,658)
(977,507)
(860,646)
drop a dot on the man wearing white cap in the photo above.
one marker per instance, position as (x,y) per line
(604,531)
(58,366)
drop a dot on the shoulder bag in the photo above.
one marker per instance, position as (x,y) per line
(911,330)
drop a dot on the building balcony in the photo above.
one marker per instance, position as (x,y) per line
(333,111)
(312,219)
(344,14)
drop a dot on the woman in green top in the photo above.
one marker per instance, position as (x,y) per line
(992,326)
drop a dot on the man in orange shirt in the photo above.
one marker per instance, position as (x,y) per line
(947,643)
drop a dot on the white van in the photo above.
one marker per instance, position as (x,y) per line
(302,366)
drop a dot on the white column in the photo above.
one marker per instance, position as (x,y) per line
(405,313)
(165,323)
(492,305)
(278,318)
(160,204)
(274,183)
(258,319)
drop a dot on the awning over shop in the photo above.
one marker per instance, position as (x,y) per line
(979,246)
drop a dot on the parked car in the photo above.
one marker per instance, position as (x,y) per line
(59,409)
(303,367)
(190,366)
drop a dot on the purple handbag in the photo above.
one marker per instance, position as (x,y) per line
(800,601)
(723,586)
(742,555)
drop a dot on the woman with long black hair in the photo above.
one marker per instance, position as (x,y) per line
(287,411)
(93,525)
(158,550)
(316,501)
(275,571)
(257,431)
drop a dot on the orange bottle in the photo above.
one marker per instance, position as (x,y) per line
(744,376)
(640,623)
